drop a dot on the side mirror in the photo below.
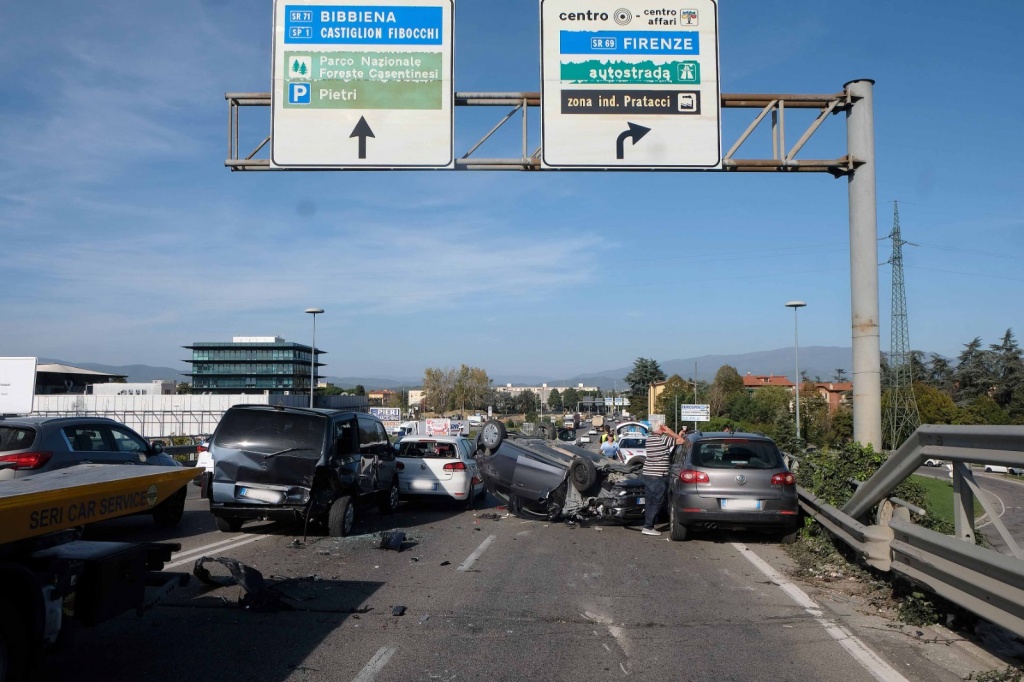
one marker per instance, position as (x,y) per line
(156,448)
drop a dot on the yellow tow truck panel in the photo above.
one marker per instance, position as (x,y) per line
(66,498)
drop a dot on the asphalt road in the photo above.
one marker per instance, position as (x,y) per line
(1005,494)
(486,598)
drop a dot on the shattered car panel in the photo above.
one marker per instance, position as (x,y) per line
(548,479)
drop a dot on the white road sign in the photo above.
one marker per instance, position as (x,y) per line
(17,385)
(695,413)
(366,85)
(630,84)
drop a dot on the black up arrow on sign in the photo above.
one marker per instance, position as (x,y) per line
(362,131)
(635,131)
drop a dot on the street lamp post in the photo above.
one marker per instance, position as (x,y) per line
(543,387)
(312,359)
(796,355)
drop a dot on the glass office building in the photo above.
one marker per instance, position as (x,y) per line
(253,364)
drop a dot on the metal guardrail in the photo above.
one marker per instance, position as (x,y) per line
(980,580)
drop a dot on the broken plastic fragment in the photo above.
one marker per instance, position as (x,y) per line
(392,540)
(446,563)
(424,618)
(397,610)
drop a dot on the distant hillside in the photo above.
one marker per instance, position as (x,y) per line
(141,374)
(816,361)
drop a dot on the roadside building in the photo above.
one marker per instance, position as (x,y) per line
(253,365)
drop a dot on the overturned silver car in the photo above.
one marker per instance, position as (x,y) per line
(544,475)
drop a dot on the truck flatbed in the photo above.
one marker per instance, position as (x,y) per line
(66,498)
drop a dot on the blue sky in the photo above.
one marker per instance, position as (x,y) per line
(126,238)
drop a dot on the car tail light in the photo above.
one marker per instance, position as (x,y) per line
(27,460)
(691,476)
(202,448)
(455,466)
(784,479)
(400,466)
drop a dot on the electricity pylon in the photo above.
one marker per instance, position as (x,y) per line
(901,417)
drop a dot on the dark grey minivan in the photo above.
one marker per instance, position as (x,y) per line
(307,464)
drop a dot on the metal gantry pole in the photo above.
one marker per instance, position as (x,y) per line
(796,360)
(867,384)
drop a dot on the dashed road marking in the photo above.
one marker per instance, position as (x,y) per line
(376,664)
(471,559)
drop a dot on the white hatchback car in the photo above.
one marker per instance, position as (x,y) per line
(204,459)
(632,449)
(439,466)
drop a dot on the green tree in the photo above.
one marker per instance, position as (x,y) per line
(359,390)
(839,375)
(183,388)
(727,384)
(973,374)
(571,398)
(940,374)
(677,392)
(470,388)
(934,405)
(555,399)
(1008,367)
(645,372)
(983,410)
(527,402)
(439,386)
(840,429)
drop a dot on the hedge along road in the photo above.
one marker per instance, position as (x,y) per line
(538,601)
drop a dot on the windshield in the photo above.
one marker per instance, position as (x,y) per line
(270,432)
(737,453)
(428,449)
(633,443)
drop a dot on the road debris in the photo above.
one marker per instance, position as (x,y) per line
(392,540)
(398,610)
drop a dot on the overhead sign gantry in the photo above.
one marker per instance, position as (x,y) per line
(366,85)
(630,84)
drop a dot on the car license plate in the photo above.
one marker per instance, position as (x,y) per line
(423,485)
(272,496)
(641,500)
(741,504)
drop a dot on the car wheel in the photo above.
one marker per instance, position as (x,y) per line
(677,531)
(228,524)
(988,469)
(341,517)
(482,494)
(788,538)
(168,513)
(583,474)
(389,503)
(492,434)
(14,642)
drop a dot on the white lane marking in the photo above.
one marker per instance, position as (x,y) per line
(465,565)
(196,553)
(376,664)
(989,492)
(868,659)
(208,547)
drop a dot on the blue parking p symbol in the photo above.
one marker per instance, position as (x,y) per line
(298,93)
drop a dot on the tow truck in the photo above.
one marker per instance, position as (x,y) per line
(49,578)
